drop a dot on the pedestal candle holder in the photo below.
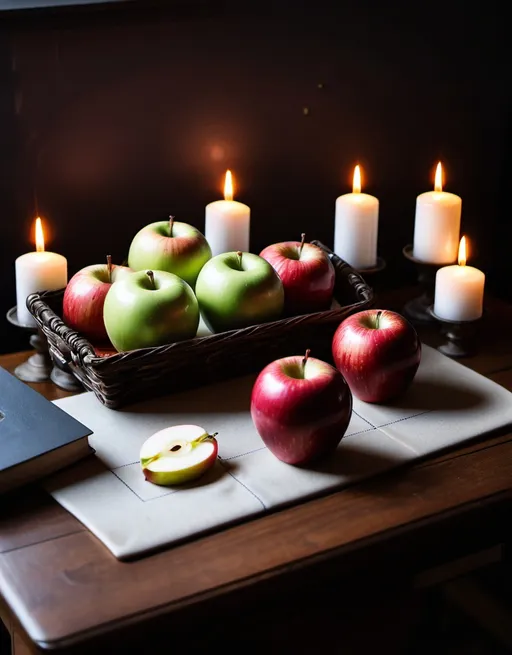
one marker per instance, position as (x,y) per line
(461,336)
(40,367)
(418,309)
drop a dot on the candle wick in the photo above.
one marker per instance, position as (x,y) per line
(302,240)
(377,319)
(171,225)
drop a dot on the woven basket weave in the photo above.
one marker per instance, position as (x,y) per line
(125,378)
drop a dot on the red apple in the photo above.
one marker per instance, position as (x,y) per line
(307,275)
(301,408)
(82,305)
(378,351)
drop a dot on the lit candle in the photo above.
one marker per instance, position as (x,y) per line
(38,271)
(356,226)
(459,290)
(437,224)
(227,222)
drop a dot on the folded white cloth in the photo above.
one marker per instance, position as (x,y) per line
(448,404)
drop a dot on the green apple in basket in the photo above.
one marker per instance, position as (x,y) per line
(170,246)
(178,454)
(150,308)
(238,289)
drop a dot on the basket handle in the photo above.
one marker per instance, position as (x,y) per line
(362,288)
(72,347)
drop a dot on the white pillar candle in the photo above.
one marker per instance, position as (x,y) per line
(38,271)
(437,224)
(227,222)
(459,290)
(356,225)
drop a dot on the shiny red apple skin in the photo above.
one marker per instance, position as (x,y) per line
(378,358)
(84,297)
(308,277)
(299,419)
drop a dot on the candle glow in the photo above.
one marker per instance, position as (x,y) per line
(39,236)
(438,182)
(228,186)
(356,182)
(463,252)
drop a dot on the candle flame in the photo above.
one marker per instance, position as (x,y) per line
(463,256)
(228,186)
(356,183)
(39,235)
(438,183)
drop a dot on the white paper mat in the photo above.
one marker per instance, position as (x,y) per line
(446,405)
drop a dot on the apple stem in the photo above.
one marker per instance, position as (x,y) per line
(171,225)
(306,357)
(109,267)
(151,277)
(302,240)
(239,253)
(377,319)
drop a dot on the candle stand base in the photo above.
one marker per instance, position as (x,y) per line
(418,309)
(461,336)
(39,367)
(65,380)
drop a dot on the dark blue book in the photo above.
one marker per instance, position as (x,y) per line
(36,437)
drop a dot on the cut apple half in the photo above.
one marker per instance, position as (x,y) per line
(178,454)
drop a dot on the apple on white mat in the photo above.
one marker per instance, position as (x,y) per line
(378,351)
(301,407)
(84,297)
(178,454)
(306,272)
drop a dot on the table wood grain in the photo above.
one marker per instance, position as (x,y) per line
(65,591)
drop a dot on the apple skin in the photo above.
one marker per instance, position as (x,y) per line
(84,297)
(141,314)
(178,454)
(301,411)
(184,253)
(307,275)
(235,290)
(378,357)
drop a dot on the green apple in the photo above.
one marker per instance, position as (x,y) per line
(236,289)
(150,308)
(178,454)
(170,246)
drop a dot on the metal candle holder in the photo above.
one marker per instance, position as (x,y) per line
(418,309)
(40,366)
(461,336)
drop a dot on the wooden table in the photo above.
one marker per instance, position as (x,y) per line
(290,577)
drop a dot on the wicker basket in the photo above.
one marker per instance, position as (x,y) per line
(124,378)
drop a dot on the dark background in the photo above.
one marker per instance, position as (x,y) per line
(114,117)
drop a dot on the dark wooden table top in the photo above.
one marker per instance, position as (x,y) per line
(61,589)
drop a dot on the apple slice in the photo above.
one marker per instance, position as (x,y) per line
(178,454)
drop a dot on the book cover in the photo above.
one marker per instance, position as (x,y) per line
(36,437)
